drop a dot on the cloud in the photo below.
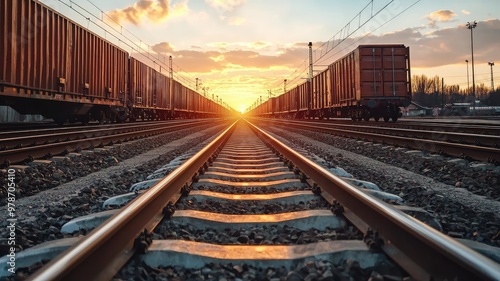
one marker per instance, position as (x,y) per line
(228,10)
(260,45)
(207,61)
(154,10)
(440,16)
(179,9)
(235,21)
(256,67)
(163,48)
(452,45)
(225,5)
(442,47)
(465,12)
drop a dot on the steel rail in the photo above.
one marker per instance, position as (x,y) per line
(56,129)
(485,140)
(15,139)
(439,256)
(102,252)
(488,129)
(35,152)
(480,153)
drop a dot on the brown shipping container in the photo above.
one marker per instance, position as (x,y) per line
(162,91)
(141,83)
(321,90)
(148,87)
(371,72)
(271,104)
(179,93)
(191,99)
(206,105)
(304,94)
(44,51)
(290,100)
(281,105)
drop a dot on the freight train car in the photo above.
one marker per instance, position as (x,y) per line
(373,81)
(52,66)
(147,95)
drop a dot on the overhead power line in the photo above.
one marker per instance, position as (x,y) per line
(127,38)
(354,25)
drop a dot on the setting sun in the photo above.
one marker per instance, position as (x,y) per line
(242,52)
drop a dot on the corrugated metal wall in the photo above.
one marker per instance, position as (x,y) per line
(40,46)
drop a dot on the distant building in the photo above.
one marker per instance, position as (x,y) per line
(465,108)
(416,109)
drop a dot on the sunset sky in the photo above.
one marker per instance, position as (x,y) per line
(243,49)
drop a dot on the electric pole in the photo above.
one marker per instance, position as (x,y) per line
(491,64)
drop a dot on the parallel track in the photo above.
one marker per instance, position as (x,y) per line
(463,145)
(34,144)
(245,166)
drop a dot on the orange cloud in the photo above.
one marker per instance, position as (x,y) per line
(163,48)
(441,15)
(236,21)
(154,10)
(226,5)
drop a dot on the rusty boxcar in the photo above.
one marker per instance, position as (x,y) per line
(373,81)
(49,61)
(52,66)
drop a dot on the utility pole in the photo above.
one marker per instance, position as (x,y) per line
(171,74)
(310,61)
(284,86)
(442,93)
(471,26)
(492,85)
(310,76)
(468,86)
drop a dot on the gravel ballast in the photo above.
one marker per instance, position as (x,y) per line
(420,179)
(41,216)
(463,199)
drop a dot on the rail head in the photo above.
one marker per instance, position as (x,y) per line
(486,154)
(441,257)
(102,252)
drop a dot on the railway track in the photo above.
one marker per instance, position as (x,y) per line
(298,211)
(19,146)
(469,133)
(470,146)
(471,126)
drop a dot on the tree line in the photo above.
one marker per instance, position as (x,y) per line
(431,92)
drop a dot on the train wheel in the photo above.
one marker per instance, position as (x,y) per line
(386,118)
(101,117)
(60,119)
(394,118)
(376,118)
(365,115)
(72,119)
(85,119)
